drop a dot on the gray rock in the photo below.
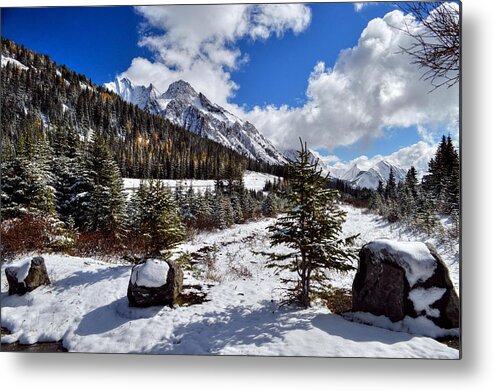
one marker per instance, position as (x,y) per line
(36,276)
(382,286)
(166,294)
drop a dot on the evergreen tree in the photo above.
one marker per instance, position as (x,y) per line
(390,188)
(25,188)
(219,217)
(70,178)
(107,199)
(201,210)
(270,205)
(442,183)
(380,188)
(156,216)
(236,207)
(311,228)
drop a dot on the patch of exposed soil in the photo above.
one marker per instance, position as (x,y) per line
(41,347)
(191,295)
(451,342)
(338,300)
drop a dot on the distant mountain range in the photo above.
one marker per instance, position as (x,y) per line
(369,178)
(355,175)
(192,110)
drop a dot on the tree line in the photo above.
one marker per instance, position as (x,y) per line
(421,203)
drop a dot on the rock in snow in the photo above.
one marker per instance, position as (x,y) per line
(399,279)
(27,277)
(154,282)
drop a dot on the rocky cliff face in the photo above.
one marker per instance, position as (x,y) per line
(185,107)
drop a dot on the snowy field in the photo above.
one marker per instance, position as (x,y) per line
(87,307)
(253,181)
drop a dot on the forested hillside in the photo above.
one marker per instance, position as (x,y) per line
(43,101)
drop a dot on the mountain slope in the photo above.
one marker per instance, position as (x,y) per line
(185,107)
(43,101)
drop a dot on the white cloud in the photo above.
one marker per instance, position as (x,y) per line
(359,6)
(197,43)
(371,87)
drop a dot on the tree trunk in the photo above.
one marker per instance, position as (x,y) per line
(305,283)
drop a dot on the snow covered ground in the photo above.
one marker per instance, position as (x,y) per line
(87,307)
(253,181)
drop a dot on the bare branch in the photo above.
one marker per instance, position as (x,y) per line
(435,43)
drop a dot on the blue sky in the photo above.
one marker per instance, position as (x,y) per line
(269,70)
(100,42)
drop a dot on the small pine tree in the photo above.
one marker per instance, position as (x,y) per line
(411,181)
(219,218)
(390,188)
(156,216)
(25,189)
(311,228)
(270,205)
(236,206)
(107,200)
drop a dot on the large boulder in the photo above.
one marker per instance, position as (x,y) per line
(399,279)
(27,277)
(154,282)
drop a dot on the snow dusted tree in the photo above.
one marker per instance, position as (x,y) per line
(25,188)
(188,206)
(71,180)
(156,216)
(270,205)
(442,183)
(411,181)
(229,213)
(107,200)
(219,219)
(390,188)
(312,229)
(236,207)
(425,216)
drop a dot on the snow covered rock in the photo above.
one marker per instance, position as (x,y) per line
(399,279)
(154,282)
(27,277)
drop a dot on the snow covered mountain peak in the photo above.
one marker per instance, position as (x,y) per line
(357,176)
(138,95)
(180,90)
(182,105)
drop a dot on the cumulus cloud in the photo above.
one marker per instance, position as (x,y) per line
(197,43)
(372,87)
